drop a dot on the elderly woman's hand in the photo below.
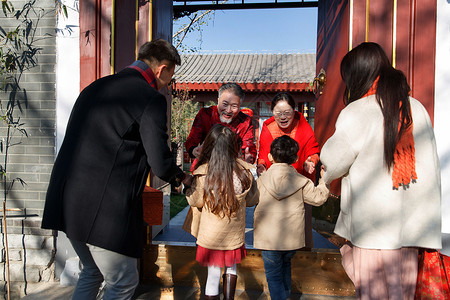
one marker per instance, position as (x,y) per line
(309,165)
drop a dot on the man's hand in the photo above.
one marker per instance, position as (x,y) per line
(309,165)
(197,150)
(248,157)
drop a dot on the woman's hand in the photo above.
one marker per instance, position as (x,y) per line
(309,165)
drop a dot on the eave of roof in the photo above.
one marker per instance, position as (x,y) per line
(247,86)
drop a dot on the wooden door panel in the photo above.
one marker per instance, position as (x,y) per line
(125,34)
(332,45)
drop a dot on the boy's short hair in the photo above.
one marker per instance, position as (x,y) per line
(284,150)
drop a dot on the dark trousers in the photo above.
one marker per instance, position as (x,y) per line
(277,265)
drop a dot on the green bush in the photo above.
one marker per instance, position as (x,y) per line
(177,203)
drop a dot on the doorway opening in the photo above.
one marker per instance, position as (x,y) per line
(217,52)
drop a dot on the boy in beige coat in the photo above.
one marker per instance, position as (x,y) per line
(279,226)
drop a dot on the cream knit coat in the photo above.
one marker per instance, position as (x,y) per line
(279,219)
(373,215)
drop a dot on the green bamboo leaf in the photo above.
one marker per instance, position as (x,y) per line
(20,180)
(28,29)
(5,8)
(3,32)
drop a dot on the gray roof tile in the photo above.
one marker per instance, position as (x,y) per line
(246,68)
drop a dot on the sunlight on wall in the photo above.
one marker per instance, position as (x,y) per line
(442,105)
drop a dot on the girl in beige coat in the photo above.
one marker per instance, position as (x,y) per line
(279,226)
(222,184)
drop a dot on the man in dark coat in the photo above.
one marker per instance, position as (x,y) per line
(116,133)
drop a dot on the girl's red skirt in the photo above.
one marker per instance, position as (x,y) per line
(220,258)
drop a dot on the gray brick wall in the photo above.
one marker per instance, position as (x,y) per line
(31,249)
(32,160)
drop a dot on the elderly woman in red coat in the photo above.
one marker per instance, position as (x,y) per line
(287,121)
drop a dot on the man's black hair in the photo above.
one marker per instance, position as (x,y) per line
(159,50)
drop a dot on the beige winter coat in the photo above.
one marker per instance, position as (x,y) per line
(212,231)
(279,219)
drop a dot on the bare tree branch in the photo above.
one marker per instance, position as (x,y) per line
(185,30)
(195,19)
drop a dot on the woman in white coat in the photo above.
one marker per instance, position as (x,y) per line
(384,149)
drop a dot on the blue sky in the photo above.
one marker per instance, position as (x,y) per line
(257,31)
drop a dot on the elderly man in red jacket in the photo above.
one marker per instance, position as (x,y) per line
(227,112)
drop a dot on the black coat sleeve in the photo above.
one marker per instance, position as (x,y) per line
(154,137)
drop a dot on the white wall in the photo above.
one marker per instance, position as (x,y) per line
(67,91)
(67,67)
(442,105)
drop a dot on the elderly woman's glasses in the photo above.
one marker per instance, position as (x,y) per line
(280,114)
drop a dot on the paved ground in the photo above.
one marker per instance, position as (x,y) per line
(173,234)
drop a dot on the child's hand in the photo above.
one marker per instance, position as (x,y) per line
(322,170)
(188,180)
(260,169)
(197,150)
(248,157)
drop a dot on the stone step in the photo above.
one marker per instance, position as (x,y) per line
(313,272)
(195,293)
(54,291)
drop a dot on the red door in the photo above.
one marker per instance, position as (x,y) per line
(405,29)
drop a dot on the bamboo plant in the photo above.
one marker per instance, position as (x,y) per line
(18,54)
